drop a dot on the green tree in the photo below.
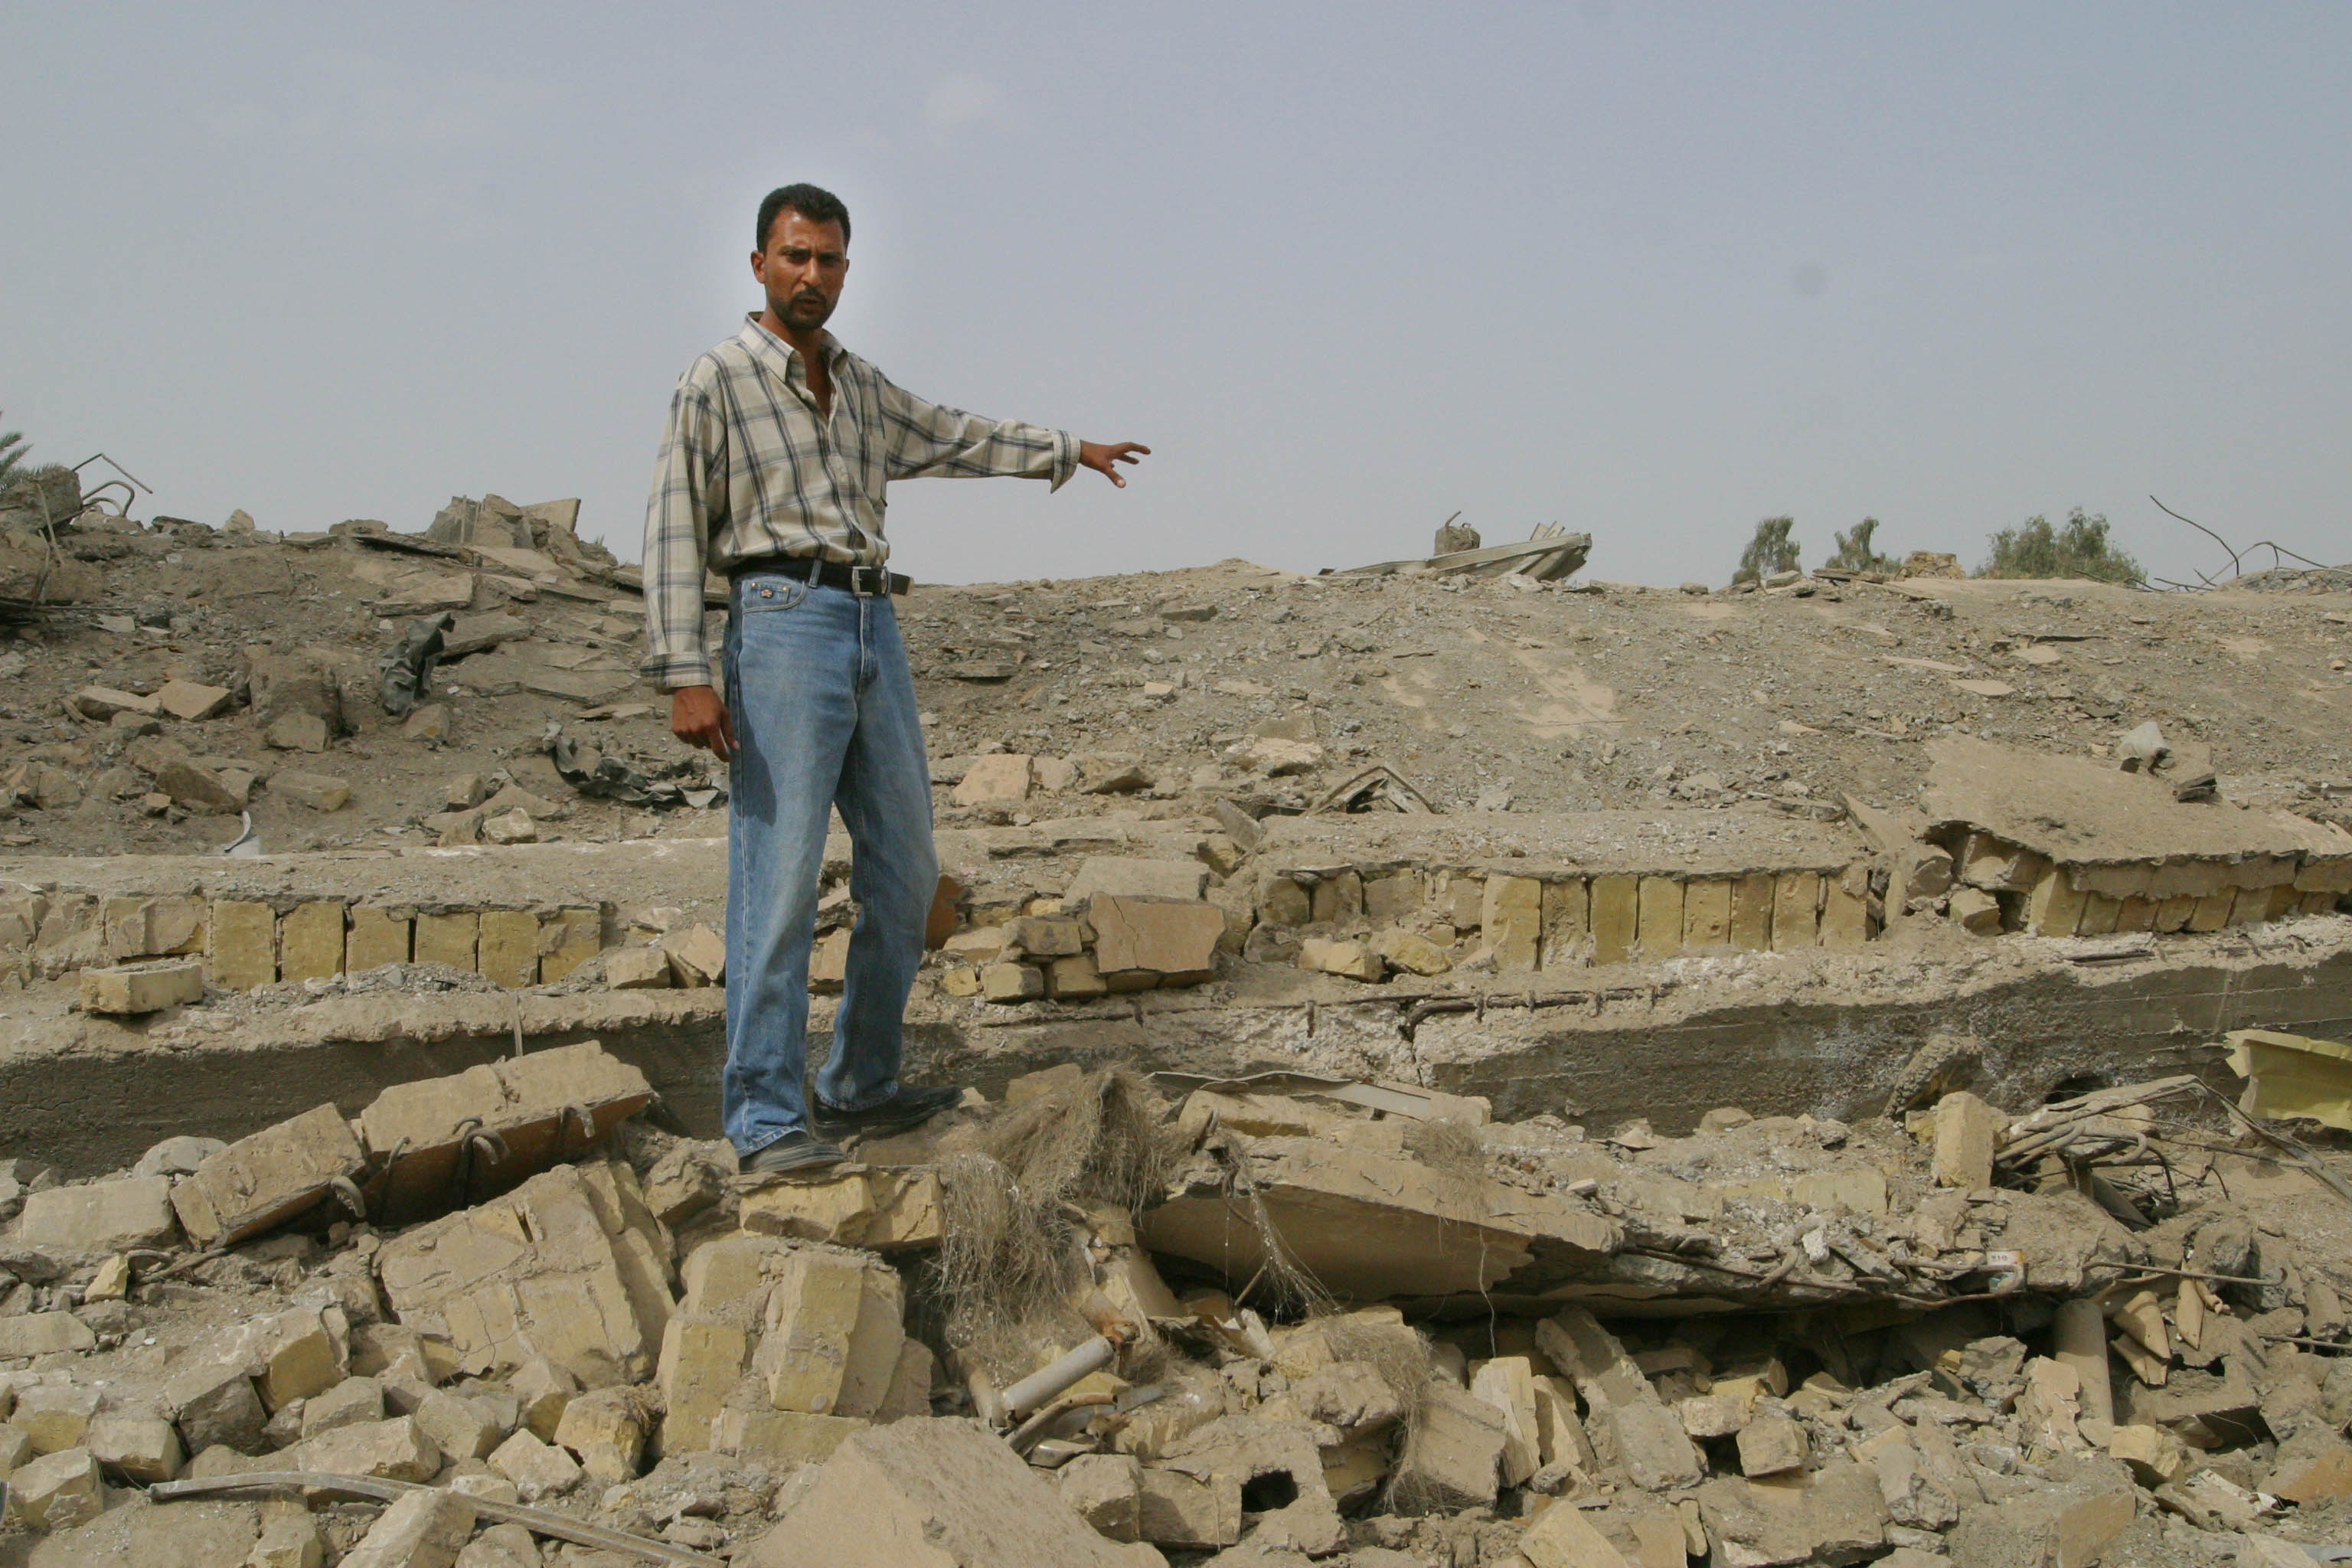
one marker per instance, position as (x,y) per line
(2079,549)
(11,453)
(1853,550)
(1770,552)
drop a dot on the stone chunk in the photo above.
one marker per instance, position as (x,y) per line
(784,1437)
(194,787)
(1507,1382)
(461,1428)
(2067,1526)
(830,1337)
(297,732)
(266,1177)
(215,1405)
(1010,983)
(1560,1538)
(144,1448)
(1647,1439)
(422,1529)
(319,791)
(104,1216)
(636,969)
(1351,960)
(44,1333)
(537,1469)
(56,1491)
(1966,1132)
(1453,1456)
(1171,940)
(697,957)
(394,1450)
(932,1494)
(700,1362)
(348,1403)
(103,702)
(606,1430)
(1835,1516)
(1000,779)
(1771,1443)
(1123,877)
(1106,1490)
(191,701)
(288,1540)
(541,1390)
(56,1415)
(133,989)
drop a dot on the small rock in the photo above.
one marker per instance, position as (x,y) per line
(319,791)
(297,732)
(514,827)
(429,724)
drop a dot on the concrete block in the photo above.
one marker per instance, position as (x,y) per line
(784,1437)
(450,938)
(1616,913)
(421,1529)
(130,990)
(507,948)
(1566,923)
(1659,918)
(569,1266)
(1796,911)
(376,937)
(56,1491)
(102,1216)
(1752,898)
(268,1177)
(44,1333)
(143,1450)
(1706,913)
(605,1431)
(1453,1456)
(700,1361)
(56,1416)
(1966,1132)
(244,944)
(1511,920)
(1176,943)
(394,1450)
(310,941)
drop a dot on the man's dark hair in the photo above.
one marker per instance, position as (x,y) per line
(811,202)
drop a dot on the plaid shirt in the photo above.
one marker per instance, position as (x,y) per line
(749,474)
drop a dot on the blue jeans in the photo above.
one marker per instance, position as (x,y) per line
(824,715)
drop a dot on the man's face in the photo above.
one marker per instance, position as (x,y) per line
(802,269)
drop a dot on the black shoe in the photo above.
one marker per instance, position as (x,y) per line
(792,1151)
(910,1106)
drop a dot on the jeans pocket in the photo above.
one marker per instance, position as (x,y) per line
(770,591)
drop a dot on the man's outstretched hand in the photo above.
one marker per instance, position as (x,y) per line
(698,716)
(1103,457)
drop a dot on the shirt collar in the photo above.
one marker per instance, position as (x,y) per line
(780,355)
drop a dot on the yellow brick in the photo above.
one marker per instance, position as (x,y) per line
(1468,894)
(569,941)
(377,937)
(2137,914)
(699,1363)
(812,1313)
(244,944)
(1660,932)
(508,952)
(1510,917)
(1616,914)
(2213,911)
(1751,912)
(2250,905)
(310,941)
(1796,902)
(2174,914)
(1566,923)
(2099,912)
(2320,903)
(1706,913)
(448,938)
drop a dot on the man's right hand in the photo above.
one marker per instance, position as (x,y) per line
(699,718)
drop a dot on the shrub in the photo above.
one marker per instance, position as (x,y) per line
(1853,550)
(2079,549)
(11,453)
(1770,552)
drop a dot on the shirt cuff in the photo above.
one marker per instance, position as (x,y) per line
(1066,459)
(675,674)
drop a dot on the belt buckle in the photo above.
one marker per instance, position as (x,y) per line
(859,576)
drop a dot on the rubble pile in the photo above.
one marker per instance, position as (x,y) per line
(501,1319)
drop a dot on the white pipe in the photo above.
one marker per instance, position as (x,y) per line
(1034,1391)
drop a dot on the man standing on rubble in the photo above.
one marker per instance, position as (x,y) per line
(772,469)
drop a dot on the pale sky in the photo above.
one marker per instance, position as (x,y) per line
(1653,271)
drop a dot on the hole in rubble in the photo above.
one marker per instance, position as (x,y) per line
(1263,1494)
(2079,1083)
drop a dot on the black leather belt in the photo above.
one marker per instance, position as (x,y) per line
(863,581)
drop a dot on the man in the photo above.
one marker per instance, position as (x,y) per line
(772,471)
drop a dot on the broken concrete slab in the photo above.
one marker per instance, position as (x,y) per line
(101,1218)
(267,1178)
